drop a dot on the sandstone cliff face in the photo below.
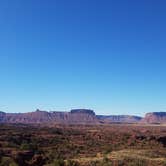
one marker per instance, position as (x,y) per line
(78,116)
(155,117)
(83,111)
(75,116)
(119,118)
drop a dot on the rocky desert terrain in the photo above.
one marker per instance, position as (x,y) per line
(82,145)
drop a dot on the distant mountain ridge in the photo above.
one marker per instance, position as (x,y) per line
(78,116)
(119,118)
(74,116)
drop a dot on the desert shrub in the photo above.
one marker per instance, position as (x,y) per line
(56,131)
(104,162)
(59,162)
(38,160)
(93,163)
(54,155)
(164,163)
(133,162)
(12,141)
(30,146)
(55,140)
(13,164)
(108,149)
(6,161)
(71,163)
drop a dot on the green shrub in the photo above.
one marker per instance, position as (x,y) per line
(71,163)
(6,161)
(30,146)
(59,162)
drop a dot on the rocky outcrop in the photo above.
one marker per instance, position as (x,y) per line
(78,116)
(154,117)
(2,115)
(75,116)
(83,111)
(119,118)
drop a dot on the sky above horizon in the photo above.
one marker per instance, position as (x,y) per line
(107,55)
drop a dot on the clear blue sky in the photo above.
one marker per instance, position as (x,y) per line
(107,55)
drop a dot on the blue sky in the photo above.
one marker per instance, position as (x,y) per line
(105,55)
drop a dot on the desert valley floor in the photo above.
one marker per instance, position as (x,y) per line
(84,145)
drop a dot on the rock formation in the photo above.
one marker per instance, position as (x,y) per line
(155,117)
(119,118)
(75,116)
(79,116)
